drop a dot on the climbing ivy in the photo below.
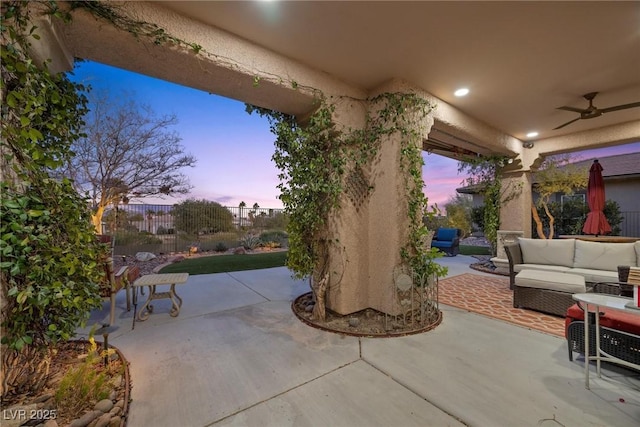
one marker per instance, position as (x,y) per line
(485,173)
(314,158)
(48,247)
(404,114)
(140,29)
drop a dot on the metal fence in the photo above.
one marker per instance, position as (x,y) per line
(201,226)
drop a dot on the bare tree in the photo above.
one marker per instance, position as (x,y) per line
(127,151)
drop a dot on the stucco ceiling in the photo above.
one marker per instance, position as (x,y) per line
(521,60)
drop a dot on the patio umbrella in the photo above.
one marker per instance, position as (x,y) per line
(596,222)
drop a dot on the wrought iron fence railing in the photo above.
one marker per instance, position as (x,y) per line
(164,229)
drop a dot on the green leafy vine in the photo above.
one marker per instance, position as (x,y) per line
(485,172)
(48,248)
(314,159)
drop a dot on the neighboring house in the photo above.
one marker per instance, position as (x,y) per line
(621,175)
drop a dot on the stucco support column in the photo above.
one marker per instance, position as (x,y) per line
(348,262)
(515,210)
(371,226)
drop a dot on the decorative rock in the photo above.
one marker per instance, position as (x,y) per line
(116,381)
(43,398)
(115,422)
(120,403)
(354,322)
(145,256)
(86,419)
(115,411)
(240,251)
(104,420)
(309,308)
(51,423)
(17,409)
(104,405)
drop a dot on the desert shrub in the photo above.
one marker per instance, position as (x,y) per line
(273,236)
(571,216)
(136,238)
(271,245)
(84,384)
(275,220)
(250,241)
(477,217)
(202,217)
(433,222)
(221,247)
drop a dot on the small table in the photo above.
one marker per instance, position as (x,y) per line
(153,280)
(596,301)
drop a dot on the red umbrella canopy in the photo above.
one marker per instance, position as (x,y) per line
(596,222)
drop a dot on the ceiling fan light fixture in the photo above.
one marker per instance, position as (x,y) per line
(532,134)
(591,112)
(463,91)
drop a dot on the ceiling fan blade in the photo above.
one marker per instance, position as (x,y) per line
(620,107)
(568,123)
(575,110)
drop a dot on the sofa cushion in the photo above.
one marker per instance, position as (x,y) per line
(447,234)
(613,319)
(558,268)
(562,282)
(595,276)
(603,256)
(547,251)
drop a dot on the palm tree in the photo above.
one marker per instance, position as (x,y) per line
(241,206)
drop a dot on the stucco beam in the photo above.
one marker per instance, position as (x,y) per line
(453,121)
(597,138)
(461,130)
(48,49)
(226,65)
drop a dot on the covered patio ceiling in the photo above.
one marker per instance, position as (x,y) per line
(520,60)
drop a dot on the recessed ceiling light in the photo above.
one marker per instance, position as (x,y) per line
(532,134)
(461,92)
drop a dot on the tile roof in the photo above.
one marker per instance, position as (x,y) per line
(619,165)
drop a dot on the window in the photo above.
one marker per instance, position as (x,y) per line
(571,198)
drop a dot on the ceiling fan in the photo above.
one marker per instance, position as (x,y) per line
(591,111)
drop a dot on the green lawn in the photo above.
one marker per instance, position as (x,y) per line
(226,263)
(475,250)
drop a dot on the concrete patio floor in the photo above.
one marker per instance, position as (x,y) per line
(237,356)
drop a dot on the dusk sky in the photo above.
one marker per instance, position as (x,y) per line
(234,148)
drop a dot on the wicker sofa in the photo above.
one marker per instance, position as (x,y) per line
(561,260)
(596,262)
